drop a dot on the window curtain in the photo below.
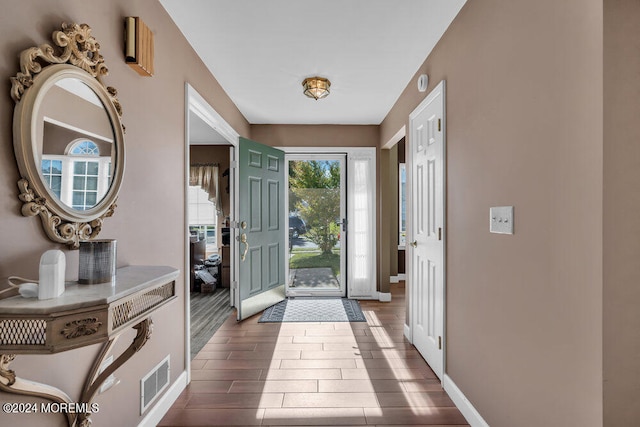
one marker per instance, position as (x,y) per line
(362,219)
(207,177)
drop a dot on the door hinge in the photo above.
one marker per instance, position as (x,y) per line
(439,125)
(234,285)
(439,233)
(439,343)
(233,164)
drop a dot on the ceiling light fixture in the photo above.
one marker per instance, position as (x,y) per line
(316,87)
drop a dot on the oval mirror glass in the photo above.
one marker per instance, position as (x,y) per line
(74,144)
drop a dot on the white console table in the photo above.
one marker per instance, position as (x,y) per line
(81,316)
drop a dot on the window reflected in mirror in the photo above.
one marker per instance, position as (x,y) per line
(81,177)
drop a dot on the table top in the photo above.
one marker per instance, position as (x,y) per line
(129,280)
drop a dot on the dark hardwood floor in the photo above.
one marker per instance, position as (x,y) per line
(324,373)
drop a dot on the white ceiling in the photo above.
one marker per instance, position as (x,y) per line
(201,133)
(260,51)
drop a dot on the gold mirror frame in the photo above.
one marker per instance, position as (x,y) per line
(76,55)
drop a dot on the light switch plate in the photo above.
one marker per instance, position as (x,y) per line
(111,379)
(501,219)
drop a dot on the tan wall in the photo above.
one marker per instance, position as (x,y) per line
(316,135)
(621,206)
(524,128)
(149,221)
(79,113)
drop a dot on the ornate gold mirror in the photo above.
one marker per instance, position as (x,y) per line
(67,136)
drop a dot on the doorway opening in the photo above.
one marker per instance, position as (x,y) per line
(208,209)
(356,224)
(209,190)
(317,225)
(394,199)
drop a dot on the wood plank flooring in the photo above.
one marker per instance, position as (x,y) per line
(320,374)
(208,313)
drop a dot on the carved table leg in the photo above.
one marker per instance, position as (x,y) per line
(95,380)
(9,383)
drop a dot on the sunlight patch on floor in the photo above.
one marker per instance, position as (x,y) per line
(320,402)
(315,401)
(389,351)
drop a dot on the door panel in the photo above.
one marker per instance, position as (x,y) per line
(274,205)
(274,264)
(261,246)
(427,266)
(255,203)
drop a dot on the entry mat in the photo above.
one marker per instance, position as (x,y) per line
(303,309)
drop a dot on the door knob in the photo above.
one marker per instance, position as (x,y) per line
(414,243)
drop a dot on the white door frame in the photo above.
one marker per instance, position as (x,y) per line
(410,288)
(198,105)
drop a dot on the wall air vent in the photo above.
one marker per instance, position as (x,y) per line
(153,384)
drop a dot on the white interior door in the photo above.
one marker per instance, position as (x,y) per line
(427,218)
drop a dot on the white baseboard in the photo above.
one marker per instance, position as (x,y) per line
(375,295)
(470,413)
(407,332)
(398,278)
(160,409)
(384,296)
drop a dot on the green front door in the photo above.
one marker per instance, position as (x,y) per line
(262,236)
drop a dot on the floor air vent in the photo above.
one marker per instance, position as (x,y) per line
(153,383)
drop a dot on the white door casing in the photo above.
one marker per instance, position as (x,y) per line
(427,264)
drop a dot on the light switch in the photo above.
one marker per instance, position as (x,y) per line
(501,219)
(111,379)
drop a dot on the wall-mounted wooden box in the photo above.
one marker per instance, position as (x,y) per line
(138,43)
